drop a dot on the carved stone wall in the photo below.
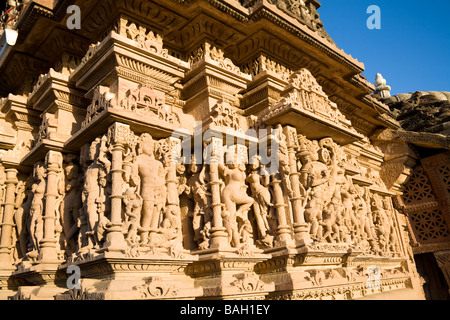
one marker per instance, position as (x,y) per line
(166,165)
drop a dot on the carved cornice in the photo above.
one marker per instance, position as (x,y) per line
(347,292)
(117,53)
(17,112)
(305,98)
(302,32)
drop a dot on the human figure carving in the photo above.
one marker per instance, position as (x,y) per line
(329,221)
(361,213)
(235,193)
(199,193)
(262,205)
(93,195)
(36,226)
(230,224)
(246,233)
(133,206)
(24,197)
(148,174)
(314,177)
(71,204)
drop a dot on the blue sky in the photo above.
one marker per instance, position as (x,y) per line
(412,48)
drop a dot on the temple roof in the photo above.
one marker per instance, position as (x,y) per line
(289,32)
(424,117)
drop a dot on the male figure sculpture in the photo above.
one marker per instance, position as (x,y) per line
(148,174)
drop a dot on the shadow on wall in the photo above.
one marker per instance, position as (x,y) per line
(435,286)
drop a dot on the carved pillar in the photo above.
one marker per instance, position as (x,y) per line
(8,214)
(53,162)
(283,236)
(173,152)
(301,230)
(219,237)
(118,135)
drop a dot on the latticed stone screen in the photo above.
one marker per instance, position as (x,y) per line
(418,189)
(426,202)
(429,225)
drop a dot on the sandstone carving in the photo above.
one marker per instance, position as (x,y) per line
(182,154)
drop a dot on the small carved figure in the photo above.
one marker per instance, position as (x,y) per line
(361,212)
(246,233)
(329,221)
(230,224)
(133,206)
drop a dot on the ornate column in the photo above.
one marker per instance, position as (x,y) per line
(8,223)
(283,236)
(118,135)
(219,237)
(301,230)
(172,152)
(53,162)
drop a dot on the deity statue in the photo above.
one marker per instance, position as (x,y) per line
(97,166)
(329,220)
(36,224)
(133,206)
(24,197)
(199,193)
(393,236)
(262,206)
(234,194)
(314,176)
(364,230)
(148,174)
(348,215)
(71,205)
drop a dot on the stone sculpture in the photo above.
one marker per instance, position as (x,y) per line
(287,198)
(148,174)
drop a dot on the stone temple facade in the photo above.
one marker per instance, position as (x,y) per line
(195,149)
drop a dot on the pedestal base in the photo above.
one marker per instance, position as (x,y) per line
(331,272)
(228,274)
(151,276)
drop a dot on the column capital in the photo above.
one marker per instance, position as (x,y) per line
(119,133)
(291,137)
(11,176)
(53,160)
(170,148)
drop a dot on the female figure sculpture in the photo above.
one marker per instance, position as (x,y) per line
(36,226)
(262,204)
